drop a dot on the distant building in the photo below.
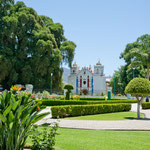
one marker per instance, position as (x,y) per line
(88,81)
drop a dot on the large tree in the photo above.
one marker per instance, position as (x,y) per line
(31,47)
(124,75)
(138,53)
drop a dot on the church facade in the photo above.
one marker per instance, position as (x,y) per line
(88,81)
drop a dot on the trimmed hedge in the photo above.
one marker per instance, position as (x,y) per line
(146,105)
(98,99)
(81,110)
(48,102)
(91,98)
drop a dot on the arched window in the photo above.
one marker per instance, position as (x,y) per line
(97,71)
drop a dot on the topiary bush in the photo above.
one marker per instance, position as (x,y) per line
(139,87)
(81,110)
(68,87)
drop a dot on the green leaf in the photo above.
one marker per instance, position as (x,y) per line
(3,118)
(7,110)
(11,117)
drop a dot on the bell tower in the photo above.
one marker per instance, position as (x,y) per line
(99,69)
(74,69)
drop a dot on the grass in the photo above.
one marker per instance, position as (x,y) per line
(108,116)
(75,139)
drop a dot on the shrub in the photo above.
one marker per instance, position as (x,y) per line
(98,99)
(81,110)
(102,94)
(45,94)
(76,102)
(45,140)
(68,87)
(17,117)
(76,97)
(139,87)
(146,105)
(91,98)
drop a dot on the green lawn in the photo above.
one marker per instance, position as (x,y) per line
(108,116)
(75,139)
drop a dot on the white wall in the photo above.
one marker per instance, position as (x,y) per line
(72,81)
(99,84)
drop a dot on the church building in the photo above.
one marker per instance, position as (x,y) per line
(87,81)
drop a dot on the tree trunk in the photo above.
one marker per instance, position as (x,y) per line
(147,97)
(138,109)
(147,71)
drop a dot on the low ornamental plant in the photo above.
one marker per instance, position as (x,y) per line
(45,139)
(139,87)
(76,97)
(18,114)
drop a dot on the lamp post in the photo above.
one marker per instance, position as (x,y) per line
(51,83)
(133,71)
(114,84)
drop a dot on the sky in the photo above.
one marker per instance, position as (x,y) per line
(101,29)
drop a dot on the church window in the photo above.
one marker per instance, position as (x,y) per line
(97,71)
(84,82)
(84,72)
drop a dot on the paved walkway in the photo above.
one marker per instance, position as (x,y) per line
(141,124)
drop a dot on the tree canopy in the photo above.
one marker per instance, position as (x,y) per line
(136,55)
(139,87)
(31,47)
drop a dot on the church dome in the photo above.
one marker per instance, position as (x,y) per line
(75,65)
(98,63)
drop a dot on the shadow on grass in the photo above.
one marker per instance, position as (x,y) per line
(45,124)
(134,118)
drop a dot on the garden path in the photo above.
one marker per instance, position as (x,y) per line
(135,124)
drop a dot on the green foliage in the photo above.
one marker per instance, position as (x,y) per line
(68,87)
(81,102)
(45,140)
(81,110)
(138,53)
(99,99)
(67,49)
(31,47)
(146,105)
(138,86)
(18,113)
(124,75)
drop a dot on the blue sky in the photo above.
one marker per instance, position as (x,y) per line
(100,28)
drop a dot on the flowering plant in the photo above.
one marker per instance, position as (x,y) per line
(76,97)
(15,89)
